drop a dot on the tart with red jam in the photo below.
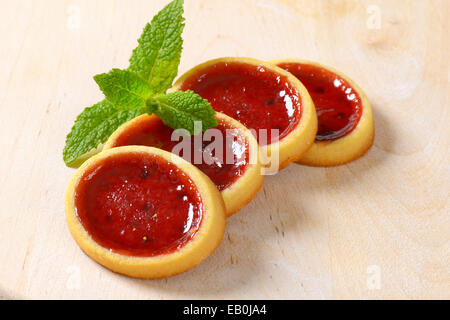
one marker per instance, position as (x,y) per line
(266,99)
(144,212)
(233,166)
(346,129)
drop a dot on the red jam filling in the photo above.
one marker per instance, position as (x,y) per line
(138,205)
(222,165)
(256,97)
(338,105)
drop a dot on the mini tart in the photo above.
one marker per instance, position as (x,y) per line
(144,212)
(260,96)
(346,128)
(239,182)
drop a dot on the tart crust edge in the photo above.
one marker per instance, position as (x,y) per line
(299,140)
(244,189)
(205,241)
(345,149)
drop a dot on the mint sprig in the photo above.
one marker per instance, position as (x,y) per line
(141,89)
(158,55)
(92,127)
(124,89)
(179,110)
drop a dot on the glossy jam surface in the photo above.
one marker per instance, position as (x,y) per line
(223,165)
(138,204)
(255,96)
(338,105)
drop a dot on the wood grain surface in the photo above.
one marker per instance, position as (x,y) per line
(375,228)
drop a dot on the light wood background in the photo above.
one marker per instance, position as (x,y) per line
(376,228)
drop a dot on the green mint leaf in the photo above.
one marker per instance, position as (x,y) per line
(181,109)
(158,54)
(124,89)
(93,127)
(140,89)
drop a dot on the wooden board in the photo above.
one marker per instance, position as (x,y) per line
(375,228)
